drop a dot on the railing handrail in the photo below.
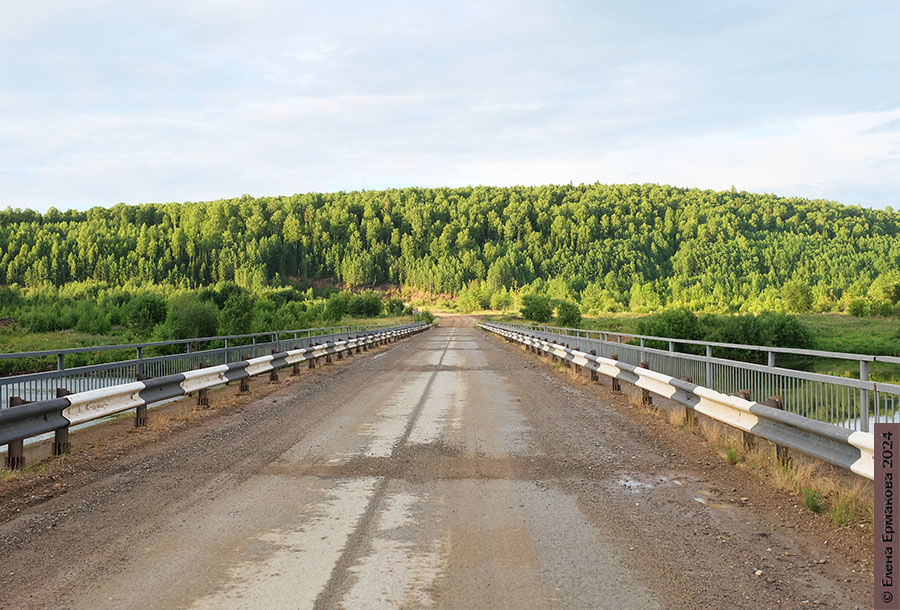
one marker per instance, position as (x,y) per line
(757,348)
(122,346)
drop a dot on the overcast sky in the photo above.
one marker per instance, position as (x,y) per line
(102,102)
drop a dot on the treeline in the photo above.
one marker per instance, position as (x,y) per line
(608,248)
(161,313)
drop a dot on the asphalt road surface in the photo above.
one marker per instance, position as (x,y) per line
(450,470)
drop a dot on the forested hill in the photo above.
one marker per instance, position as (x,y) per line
(610,247)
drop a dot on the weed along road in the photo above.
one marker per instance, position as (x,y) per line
(448,470)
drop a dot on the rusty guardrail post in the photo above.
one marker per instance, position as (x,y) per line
(646,397)
(616,385)
(747,440)
(782,454)
(61,436)
(244,387)
(594,376)
(140,413)
(15,451)
(202,396)
(273,374)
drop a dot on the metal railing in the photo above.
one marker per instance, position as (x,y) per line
(850,449)
(42,385)
(843,401)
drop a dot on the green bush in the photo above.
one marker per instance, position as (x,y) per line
(424,316)
(858,308)
(335,308)
(146,310)
(365,304)
(797,296)
(537,308)
(188,317)
(91,319)
(236,315)
(394,306)
(674,323)
(568,314)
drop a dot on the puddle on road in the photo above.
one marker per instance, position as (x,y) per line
(637,485)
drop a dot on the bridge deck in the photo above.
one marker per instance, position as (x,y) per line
(449,471)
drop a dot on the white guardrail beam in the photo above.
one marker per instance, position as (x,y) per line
(836,445)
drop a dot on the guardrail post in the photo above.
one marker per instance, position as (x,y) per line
(747,440)
(227,351)
(61,436)
(708,382)
(568,362)
(244,387)
(60,362)
(328,358)
(594,376)
(358,347)
(771,359)
(616,386)
(340,354)
(646,398)
(140,413)
(643,355)
(15,451)
(781,453)
(273,374)
(295,369)
(690,418)
(863,397)
(202,396)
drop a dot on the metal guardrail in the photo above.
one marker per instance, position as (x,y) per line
(42,385)
(58,414)
(853,450)
(847,402)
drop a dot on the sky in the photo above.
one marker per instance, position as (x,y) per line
(104,102)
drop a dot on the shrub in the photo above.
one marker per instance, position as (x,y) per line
(797,296)
(425,316)
(366,304)
(146,311)
(674,323)
(188,317)
(568,314)
(335,308)
(500,300)
(858,308)
(236,316)
(394,307)
(91,319)
(537,308)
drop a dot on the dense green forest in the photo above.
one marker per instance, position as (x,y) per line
(608,248)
